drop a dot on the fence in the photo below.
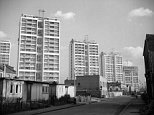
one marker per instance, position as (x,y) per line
(13,105)
(93,93)
(83,99)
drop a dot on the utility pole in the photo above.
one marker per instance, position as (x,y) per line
(74,83)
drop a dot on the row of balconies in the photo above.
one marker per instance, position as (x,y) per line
(23,37)
(48,22)
(2,46)
(49,51)
(51,40)
(24,32)
(51,56)
(28,50)
(2,51)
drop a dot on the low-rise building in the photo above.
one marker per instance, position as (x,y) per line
(7,71)
(93,85)
(35,91)
(60,90)
(114,89)
(25,90)
(32,90)
(10,88)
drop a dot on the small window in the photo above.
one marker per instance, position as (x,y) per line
(78,84)
(11,88)
(16,88)
(45,89)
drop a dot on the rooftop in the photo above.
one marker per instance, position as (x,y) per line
(39,17)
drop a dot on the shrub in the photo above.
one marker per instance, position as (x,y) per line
(62,100)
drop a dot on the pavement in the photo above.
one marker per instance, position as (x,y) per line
(133,107)
(49,109)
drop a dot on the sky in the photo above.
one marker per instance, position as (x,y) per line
(119,25)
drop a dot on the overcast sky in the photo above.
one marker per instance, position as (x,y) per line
(114,24)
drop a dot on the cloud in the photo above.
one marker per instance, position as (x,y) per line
(140,12)
(135,55)
(68,15)
(2,34)
(134,52)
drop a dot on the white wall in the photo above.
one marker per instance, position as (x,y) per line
(7,88)
(71,91)
(37,94)
(60,90)
(103,83)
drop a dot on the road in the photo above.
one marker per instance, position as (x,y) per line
(111,106)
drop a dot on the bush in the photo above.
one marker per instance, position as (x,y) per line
(62,100)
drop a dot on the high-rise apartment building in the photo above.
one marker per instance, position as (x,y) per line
(39,49)
(83,58)
(5,47)
(131,77)
(111,66)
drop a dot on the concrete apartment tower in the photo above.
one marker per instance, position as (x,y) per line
(5,47)
(111,66)
(39,49)
(131,79)
(83,58)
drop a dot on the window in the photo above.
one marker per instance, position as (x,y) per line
(45,89)
(40,24)
(40,32)
(11,88)
(16,88)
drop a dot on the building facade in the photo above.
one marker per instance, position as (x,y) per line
(39,49)
(94,85)
(33,90)
(111,66)
(5,47)
(148,54)
(83,58)
(131,79)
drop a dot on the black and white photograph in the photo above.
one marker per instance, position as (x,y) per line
(76,57)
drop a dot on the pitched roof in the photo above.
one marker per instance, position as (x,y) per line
(9,69)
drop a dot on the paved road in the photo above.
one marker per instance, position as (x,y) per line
(105,107)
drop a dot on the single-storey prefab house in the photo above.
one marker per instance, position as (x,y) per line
(60,90)
(25,90)
(35,91)
(10,88)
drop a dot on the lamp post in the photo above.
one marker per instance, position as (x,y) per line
(74,84)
